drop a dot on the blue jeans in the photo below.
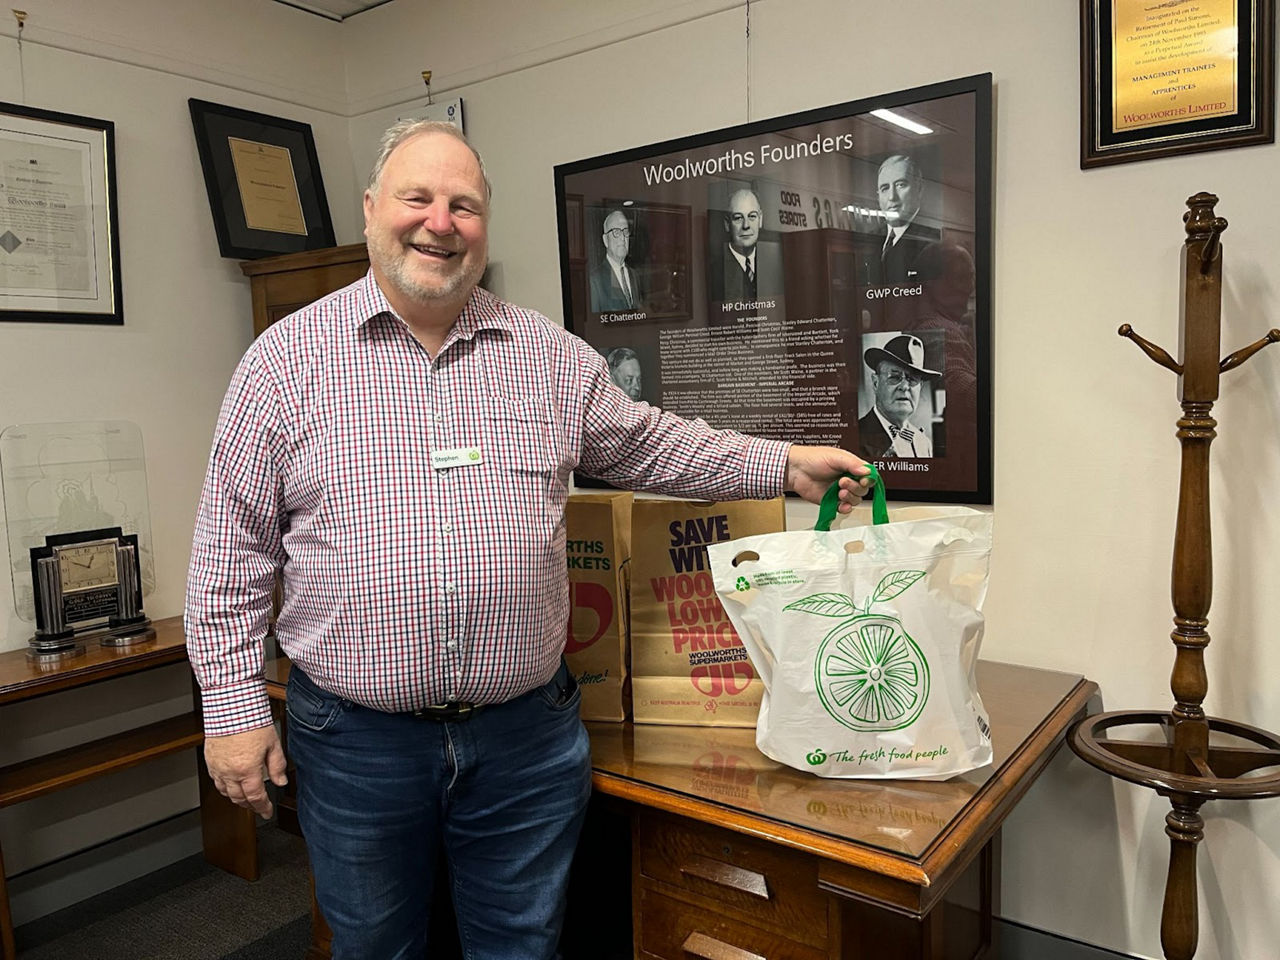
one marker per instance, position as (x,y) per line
(504,791)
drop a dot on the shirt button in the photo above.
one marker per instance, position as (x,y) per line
(439,418)
(450,588)
(447,527)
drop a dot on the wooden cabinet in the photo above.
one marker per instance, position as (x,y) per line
(229,835)
(287,283)
(735,857)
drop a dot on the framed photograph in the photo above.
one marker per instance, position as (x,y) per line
(264,183)
(59,229)
(1160,79)
(822,277)
(638,257)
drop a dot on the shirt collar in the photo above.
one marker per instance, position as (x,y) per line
(889,428)
(483,311)
(743,260)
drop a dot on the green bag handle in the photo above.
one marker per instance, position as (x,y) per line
(831,501)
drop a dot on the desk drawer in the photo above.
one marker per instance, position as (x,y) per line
(671,930)
(766,885)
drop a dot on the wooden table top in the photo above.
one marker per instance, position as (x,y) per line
(907,828)
(23,676)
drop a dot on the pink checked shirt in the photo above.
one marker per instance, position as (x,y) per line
(409,584)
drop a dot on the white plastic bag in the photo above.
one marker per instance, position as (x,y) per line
(867,640)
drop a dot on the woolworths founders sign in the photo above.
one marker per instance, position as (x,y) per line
(1175,76)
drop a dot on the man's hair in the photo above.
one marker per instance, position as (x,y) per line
(616,211)
(618,356)
(404,130)
(913,168)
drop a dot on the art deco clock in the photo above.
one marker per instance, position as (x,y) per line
(87,584)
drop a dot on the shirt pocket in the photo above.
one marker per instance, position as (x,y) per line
(522,436)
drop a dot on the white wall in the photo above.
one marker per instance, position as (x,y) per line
(1086,460)
(187,321)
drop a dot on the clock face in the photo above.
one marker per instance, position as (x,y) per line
(87,565)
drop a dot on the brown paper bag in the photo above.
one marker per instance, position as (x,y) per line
(598,547)
(687,663)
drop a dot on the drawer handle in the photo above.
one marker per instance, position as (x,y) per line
(727,875)
(709,948)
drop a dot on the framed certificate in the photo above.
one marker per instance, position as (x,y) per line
(263,179)
(59,233)
(1179,76)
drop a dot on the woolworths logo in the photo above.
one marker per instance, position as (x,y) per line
(473,454)
(816,757)
(742,584)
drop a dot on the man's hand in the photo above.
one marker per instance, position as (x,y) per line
(236,764)
(811,470)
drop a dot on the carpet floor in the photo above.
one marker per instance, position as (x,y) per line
(188,911)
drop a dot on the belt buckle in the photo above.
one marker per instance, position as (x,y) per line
(446,712)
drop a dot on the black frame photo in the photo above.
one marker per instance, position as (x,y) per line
(263,179)
(1158,80)
(59,222)
(837,279)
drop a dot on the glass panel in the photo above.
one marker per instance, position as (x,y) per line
(723,766)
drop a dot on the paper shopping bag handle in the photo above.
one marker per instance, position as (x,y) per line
(831,501)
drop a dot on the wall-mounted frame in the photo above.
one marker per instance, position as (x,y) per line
(1161,79)
(59,229)
(263,179)
(818,246)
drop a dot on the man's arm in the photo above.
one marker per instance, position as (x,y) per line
(235,553)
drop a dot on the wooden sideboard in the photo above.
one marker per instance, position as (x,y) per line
(229,833)
(735,857)
(283,284)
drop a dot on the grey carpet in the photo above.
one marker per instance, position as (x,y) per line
(188,911)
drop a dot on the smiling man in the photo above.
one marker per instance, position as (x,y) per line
(401,450)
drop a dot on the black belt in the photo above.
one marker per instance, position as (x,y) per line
(445,712)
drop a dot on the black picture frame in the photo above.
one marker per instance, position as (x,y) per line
(791,363)
(1170,60)
(219,129)
(67,214)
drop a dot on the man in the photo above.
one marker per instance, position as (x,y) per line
(900,190)
(613,283)
(748,269)
(897,376)
(624,368)
(402,450)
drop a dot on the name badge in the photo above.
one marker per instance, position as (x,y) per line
(456,457)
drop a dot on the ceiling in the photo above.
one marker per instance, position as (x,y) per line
(333,9)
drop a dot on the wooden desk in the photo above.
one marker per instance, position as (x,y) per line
(229,834)
(735,857)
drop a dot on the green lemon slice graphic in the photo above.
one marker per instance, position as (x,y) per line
(871,675)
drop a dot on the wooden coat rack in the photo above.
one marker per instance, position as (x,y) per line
(1188,768)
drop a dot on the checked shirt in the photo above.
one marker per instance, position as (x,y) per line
(408,584)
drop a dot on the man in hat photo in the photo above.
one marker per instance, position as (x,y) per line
(898,374)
